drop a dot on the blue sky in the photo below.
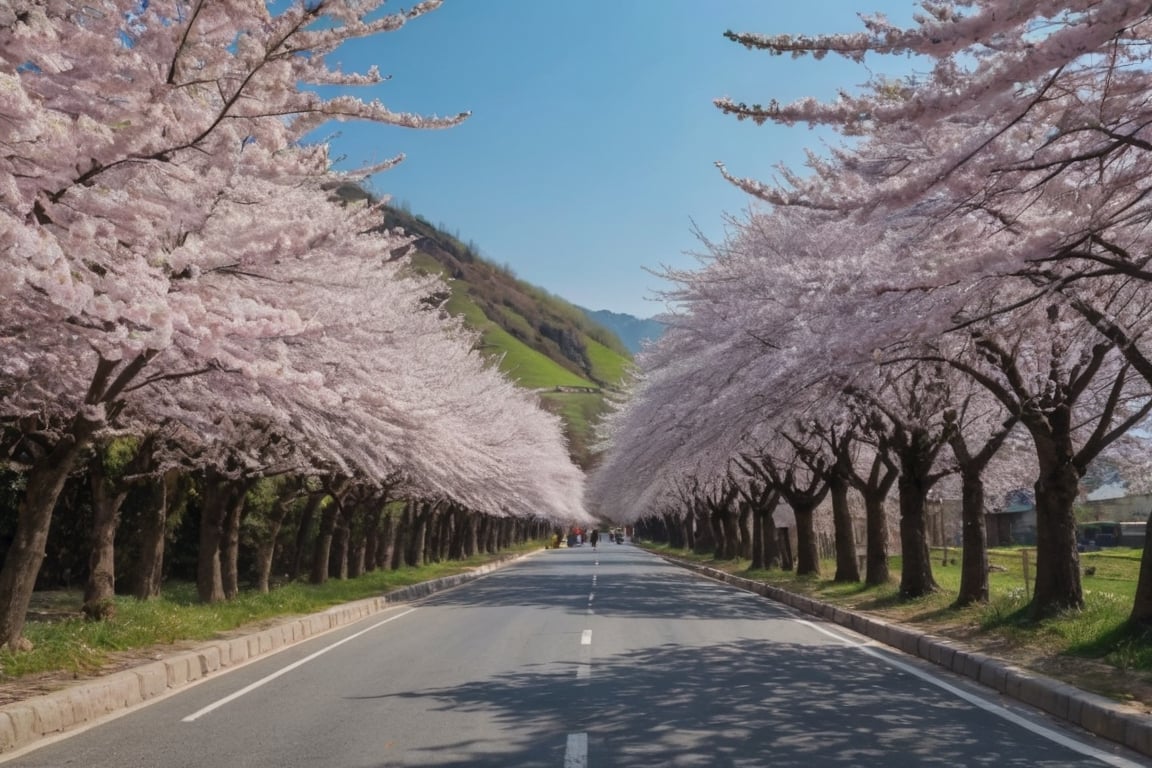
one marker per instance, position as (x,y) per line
(591,147)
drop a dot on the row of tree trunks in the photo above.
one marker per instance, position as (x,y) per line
(664,528)
(355,534)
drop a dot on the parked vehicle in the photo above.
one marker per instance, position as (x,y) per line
(1107,533)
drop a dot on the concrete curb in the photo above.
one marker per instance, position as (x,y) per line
(24,723)
(1096,714)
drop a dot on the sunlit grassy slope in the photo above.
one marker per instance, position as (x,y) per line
(511,333)
(529,367)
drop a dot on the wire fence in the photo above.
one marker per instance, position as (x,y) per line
(1017,566)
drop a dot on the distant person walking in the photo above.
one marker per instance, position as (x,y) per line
(594,537)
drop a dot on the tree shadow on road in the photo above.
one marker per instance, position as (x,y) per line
(621,591)
(744,703)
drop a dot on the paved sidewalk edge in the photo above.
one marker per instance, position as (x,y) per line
(1092,712)
(24,723)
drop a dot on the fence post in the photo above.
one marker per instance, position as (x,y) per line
(1024,562)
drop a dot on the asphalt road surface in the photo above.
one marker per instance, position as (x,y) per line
(573,658)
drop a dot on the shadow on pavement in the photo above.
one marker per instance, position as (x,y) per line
(633,586)
(747,703)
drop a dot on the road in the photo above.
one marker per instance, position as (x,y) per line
(580,659)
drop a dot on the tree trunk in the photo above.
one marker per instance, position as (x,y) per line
(784,545)
(34,518)
(876,547)
(1141,615)
(471,541)
(874,488)
(230,538)
(757,540)
(725,528)
(744,532)
(403,529)
(847,568)
(673,530)
(491,526)
(303,531)
(414,555)
(444,535)
(807,553)
(764,516)
(266,549)
(456,548)
(974,560)
(705,530)
(357,557)
(387,541)
(432,533)
(772,557)
(493,544)
(339,553)
(1058,585)
(322,547)
(150,567)
(916,578)
(213,505)
(372,535)
(482,524)
(107,499)
(342,541)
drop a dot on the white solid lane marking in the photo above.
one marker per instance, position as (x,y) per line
(987,706)
(583,671)
(576,755)
(249,688)
(586,637)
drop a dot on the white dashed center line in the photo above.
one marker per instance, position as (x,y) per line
(576,755)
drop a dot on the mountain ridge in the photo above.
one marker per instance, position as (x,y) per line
(633,331)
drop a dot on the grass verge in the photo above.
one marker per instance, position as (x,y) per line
(1091,648)
(64,642)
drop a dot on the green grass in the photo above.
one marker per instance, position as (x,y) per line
(425,264)
(531,369)
(608,365)
(64,641)
(579,409)
(527,366)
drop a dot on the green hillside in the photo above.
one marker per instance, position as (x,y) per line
(543,342)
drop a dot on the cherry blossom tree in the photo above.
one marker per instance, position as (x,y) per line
(124,125)
(1023,151)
